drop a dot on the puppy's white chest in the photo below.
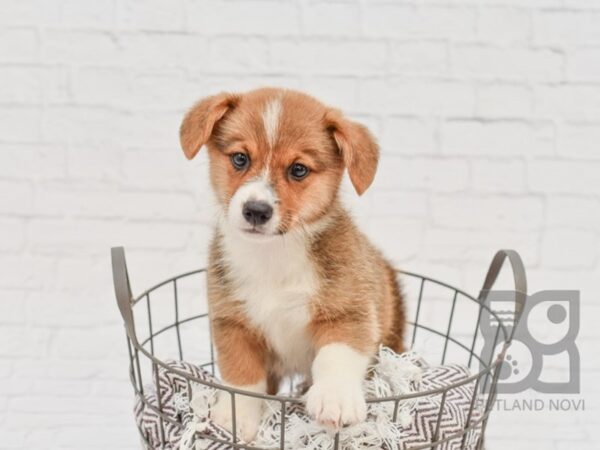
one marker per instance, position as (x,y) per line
(282,315)
(276,282)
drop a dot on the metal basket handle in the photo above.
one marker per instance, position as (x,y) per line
(520,280)
(123,291)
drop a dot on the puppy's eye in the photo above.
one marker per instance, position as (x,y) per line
(298,171)
(240,160)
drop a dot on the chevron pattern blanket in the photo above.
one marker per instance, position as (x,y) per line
(187,424)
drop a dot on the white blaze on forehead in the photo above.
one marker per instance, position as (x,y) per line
(271,116)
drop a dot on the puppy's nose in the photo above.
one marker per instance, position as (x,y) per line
(257,213)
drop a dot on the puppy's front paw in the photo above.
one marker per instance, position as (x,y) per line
(334,404)
(248,415)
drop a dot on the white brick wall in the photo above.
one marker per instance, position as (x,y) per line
(488,113)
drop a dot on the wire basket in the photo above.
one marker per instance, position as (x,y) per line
(167,321)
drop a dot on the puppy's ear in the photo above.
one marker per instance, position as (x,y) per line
(199,122)
(358,148)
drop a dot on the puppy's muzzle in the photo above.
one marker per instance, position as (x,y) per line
(256,212)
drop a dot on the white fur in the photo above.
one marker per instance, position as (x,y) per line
(275,279)
(257,189)
(336,396)
(248,411)
(271,117)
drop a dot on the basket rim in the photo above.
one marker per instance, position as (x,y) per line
(494,362)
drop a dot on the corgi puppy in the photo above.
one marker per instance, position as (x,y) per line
(293,286)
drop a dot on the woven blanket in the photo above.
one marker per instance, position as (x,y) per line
(187,420)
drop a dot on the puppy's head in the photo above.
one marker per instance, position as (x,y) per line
(277,157)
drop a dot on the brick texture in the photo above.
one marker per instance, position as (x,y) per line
(488,114)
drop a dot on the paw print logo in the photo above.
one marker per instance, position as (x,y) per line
(509,367)
(546,332)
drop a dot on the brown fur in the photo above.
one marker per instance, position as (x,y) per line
(366,299)
(358,301)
